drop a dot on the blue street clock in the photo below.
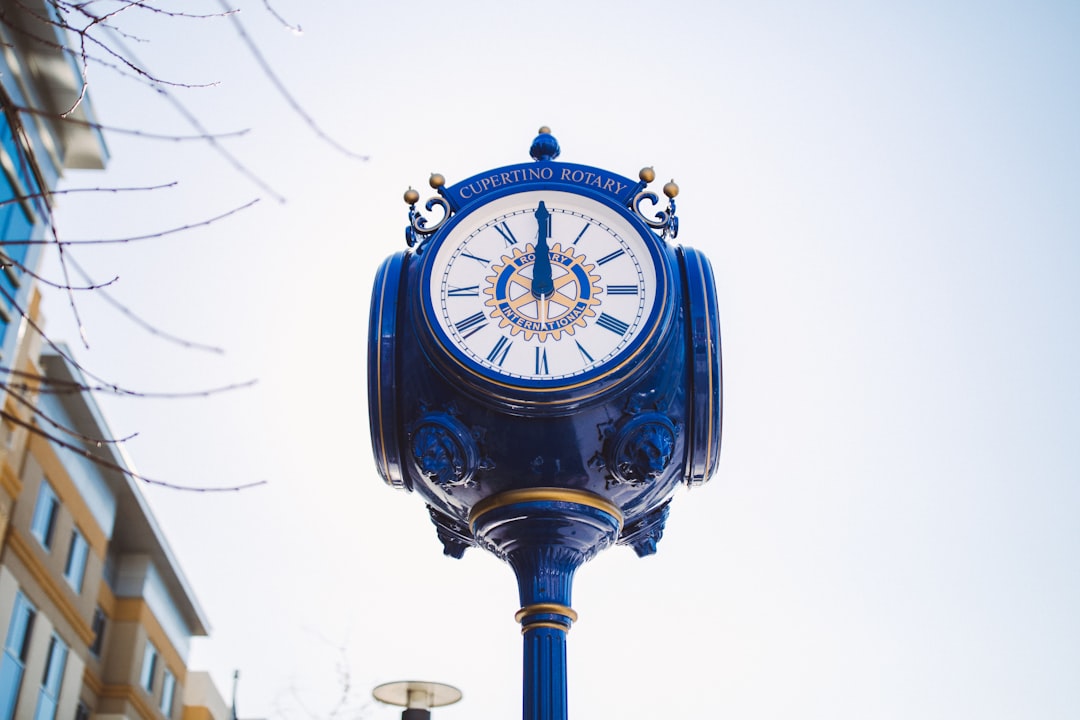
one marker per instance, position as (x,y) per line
(544,371)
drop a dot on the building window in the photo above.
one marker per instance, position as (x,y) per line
(16,222)
(76,560)
(98,626)
(16,647)
(149,665)
(168,688)
(51,679)
(44,522)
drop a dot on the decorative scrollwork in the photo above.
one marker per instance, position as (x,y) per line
(665,220)
(419,229)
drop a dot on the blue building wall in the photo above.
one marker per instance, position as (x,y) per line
(35,148)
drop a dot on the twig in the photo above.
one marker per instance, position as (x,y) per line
(134,238)
(97,460)
(284,92)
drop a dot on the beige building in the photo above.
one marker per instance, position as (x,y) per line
(96,616)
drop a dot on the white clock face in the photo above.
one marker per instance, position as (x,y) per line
(549,317)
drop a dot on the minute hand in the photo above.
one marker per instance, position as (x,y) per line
(542,286)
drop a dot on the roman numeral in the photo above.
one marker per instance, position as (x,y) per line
(541,362)
(581,233)
(474,323)
(507,235)
(498,353)
(584,353)
(613,324)
(622,289)
(471,291)
(482,261)
(608,258)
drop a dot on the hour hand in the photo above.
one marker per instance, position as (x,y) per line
(542,286)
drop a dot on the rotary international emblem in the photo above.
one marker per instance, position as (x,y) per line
(571,301)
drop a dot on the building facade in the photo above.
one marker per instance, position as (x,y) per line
(96,617)
(40,137)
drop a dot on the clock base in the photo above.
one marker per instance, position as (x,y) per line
(545,534)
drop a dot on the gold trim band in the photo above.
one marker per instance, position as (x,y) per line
(523,495)
(534,626)
(546,609)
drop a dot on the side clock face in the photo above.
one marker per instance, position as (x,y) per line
(545,289)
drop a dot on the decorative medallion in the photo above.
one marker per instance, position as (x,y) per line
(642,449)
(570,300)
(445,451)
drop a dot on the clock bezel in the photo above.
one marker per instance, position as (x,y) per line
(628,363)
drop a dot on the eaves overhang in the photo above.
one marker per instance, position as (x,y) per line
(135,531)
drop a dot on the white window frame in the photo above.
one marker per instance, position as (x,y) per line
(43,525)
(13,658)
(52,679)
(168,689)
(149,666)
(75,569)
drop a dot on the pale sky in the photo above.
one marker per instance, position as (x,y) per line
(888,195)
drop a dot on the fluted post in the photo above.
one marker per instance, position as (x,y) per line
(545,534)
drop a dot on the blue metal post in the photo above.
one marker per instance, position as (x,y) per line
(545,534)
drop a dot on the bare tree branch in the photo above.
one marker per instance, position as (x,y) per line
(134,238)
(284,92)
(148,327)
(71,191)
(131,131)
(6,262)
(288,26)
(197,124)
(98,460)
(29,404)
(62,387)
(104,385)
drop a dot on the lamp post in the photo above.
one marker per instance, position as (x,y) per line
(417,697)
(544,372)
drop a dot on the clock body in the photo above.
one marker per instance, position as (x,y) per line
(603,314)
(544,335)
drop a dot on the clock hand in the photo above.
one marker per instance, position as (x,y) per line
(542,285)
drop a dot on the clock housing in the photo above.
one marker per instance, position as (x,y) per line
(603,321)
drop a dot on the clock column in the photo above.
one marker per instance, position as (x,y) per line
(545,402)
(545,534)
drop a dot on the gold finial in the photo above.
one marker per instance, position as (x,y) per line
(647,175)
(544,130)
(671,189)
(411,196)
(436,180)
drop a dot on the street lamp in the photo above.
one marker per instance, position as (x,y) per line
(416,697)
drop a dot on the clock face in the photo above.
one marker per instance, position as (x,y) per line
(544,289)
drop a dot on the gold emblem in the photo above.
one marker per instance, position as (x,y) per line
(512,302)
